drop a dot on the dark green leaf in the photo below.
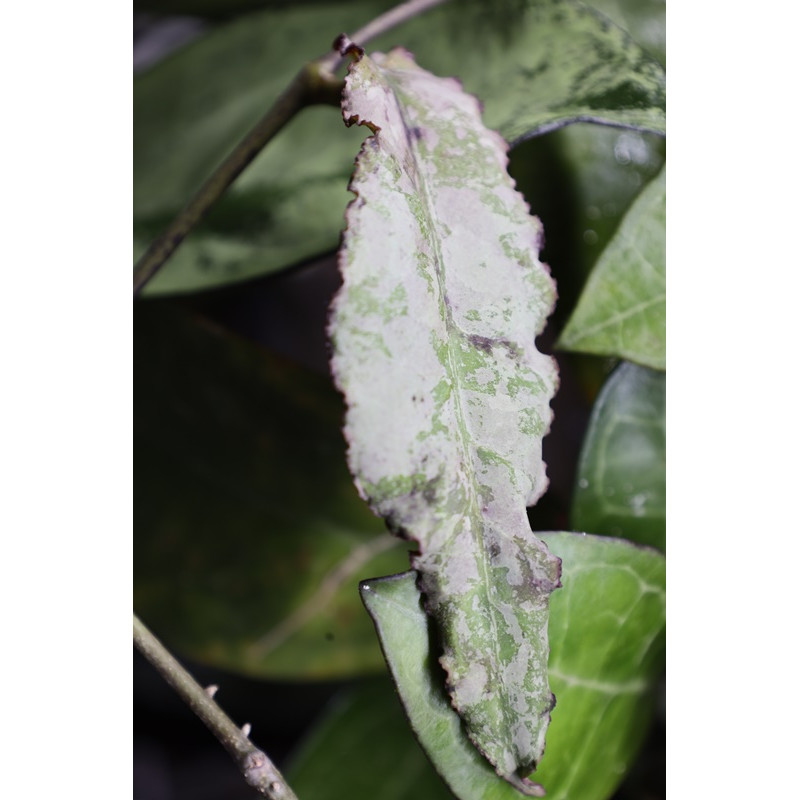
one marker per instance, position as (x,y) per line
(621,486)
(557,63)
(363,748)
(250,537)
(622,310)
(560,62)
(606,652)
(193,108)
(644,20)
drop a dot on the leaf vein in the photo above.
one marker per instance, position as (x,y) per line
(618,317)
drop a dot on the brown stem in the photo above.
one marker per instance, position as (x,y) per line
(256,767)
(309,86)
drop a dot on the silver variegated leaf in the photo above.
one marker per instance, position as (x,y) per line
(448,398)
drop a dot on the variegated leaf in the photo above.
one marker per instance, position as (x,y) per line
(448,397)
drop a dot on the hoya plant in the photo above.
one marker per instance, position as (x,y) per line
(400,358)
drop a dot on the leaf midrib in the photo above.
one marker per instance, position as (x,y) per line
(455,375)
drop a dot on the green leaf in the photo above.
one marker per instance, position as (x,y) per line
(581,180)
(621,485)
(558,62)
(194,107)
(622,310)
(606,653)
(644,21)
(250,537)
(448,398)
(362,747)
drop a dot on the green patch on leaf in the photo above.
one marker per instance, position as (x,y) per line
(621,483)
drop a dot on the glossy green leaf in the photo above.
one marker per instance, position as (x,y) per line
(607,649)
(621,484)
(622,310)
(558,62)
(250,538)
(444,294)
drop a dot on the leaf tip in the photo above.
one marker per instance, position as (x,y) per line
(533,789)
(526,786)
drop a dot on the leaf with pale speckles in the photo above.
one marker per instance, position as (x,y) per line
(448,397)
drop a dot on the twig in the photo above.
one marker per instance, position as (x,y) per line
(314,84)
(256,767)
(385,22)
(309,86)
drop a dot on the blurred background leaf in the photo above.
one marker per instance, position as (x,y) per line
(364,748)
(642,19)
(605,660)
(250,536)
(621,482)
(634,16)
(558,62)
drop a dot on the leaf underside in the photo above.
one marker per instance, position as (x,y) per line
(448,398)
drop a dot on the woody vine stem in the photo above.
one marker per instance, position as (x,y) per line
(256,767)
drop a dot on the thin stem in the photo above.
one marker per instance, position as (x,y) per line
(314,84)
(309,86)
(385,22)
(256,767)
